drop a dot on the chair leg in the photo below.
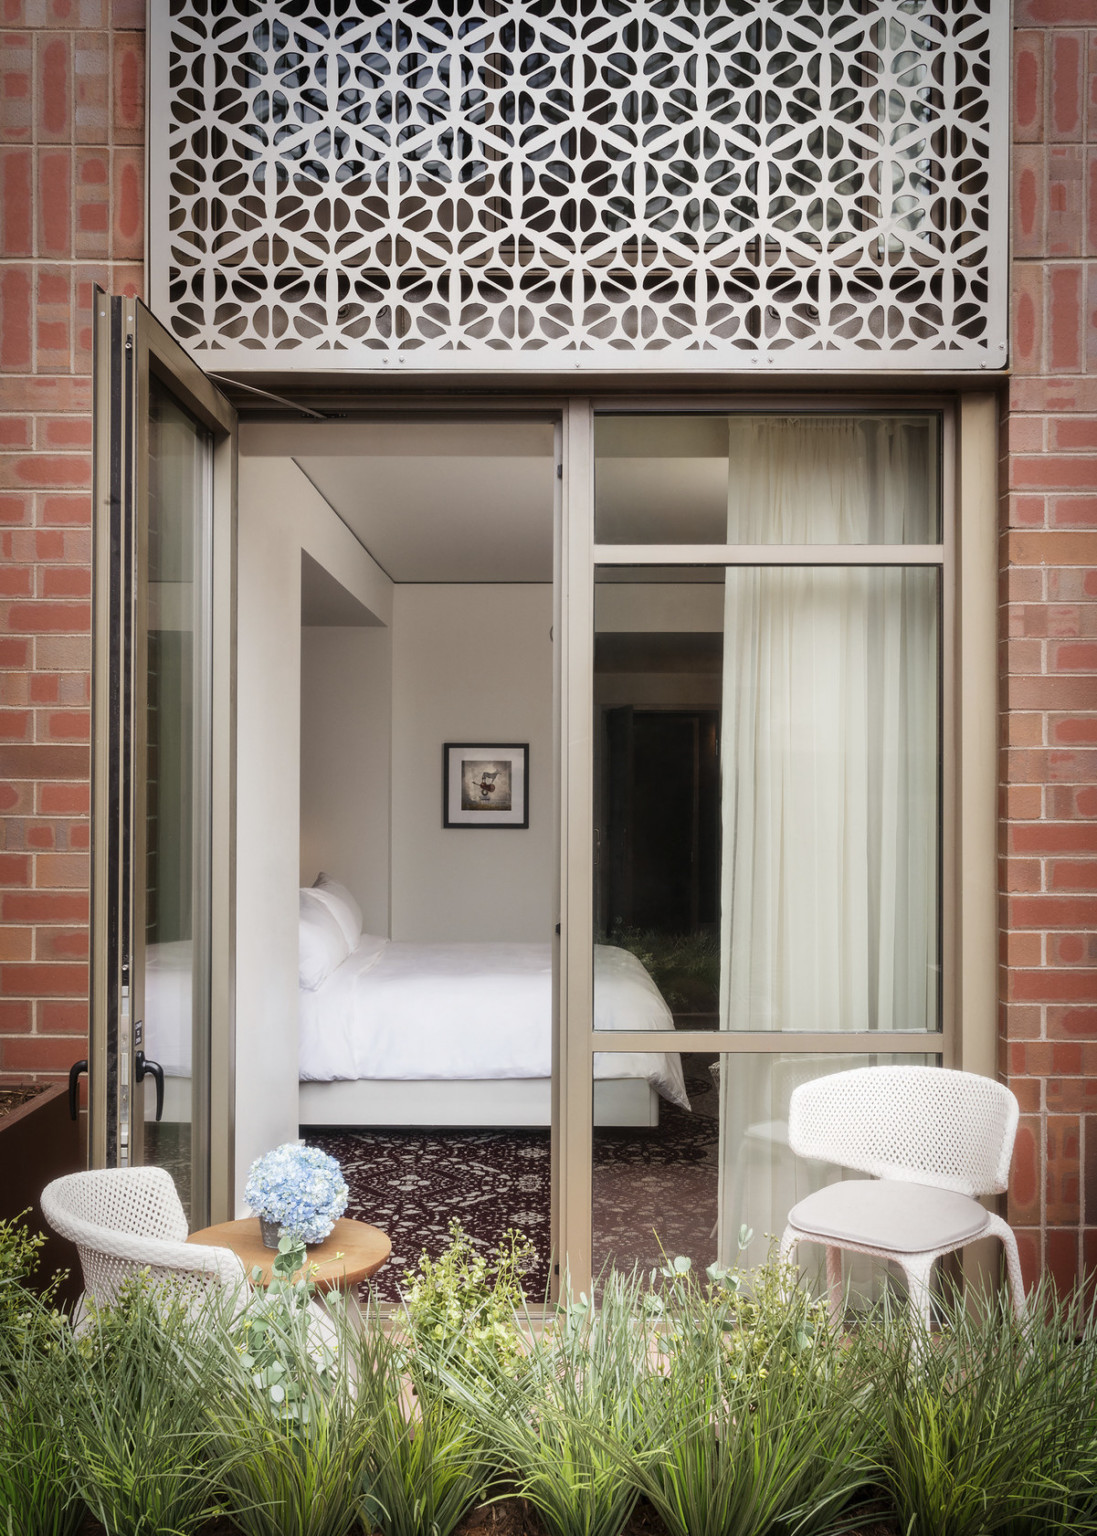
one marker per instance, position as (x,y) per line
(1004,1232)
(835,1293)
(918,1269)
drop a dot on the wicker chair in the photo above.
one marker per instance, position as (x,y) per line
(128,1220)
(932,1140)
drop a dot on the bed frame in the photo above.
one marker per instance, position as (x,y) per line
(488,1103)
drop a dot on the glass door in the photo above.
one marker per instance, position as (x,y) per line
(763,626)
(161,1031)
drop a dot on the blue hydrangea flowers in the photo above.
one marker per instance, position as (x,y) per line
(300,1188)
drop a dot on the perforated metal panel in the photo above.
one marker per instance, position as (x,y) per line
(648,184)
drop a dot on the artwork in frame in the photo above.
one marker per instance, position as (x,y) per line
(485,785)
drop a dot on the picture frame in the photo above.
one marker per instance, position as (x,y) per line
(485,785)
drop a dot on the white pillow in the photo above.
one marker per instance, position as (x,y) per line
(341,904)
(321,945)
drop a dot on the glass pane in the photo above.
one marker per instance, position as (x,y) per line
(176,948)
(761,1179)
(656,1172)
(767,479)
(670,1181)
(766,786)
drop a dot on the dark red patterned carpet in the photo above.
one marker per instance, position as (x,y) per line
(650,1187)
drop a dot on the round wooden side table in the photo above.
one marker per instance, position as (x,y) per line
(352,1251)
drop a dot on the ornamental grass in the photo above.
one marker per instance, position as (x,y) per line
(673,1405)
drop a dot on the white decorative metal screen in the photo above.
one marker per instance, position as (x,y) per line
(581,183)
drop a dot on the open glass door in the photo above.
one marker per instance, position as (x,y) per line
(160,1059)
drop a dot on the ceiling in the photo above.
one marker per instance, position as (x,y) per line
(472,501)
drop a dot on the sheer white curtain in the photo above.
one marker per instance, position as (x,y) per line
(829,764)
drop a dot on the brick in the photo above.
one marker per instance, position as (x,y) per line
(65,581)
(65,510)
(74,799)
(1072,949)
(1073,512)
(69,431)
(15,1017)
(61,944)
(50,760)
(65,725)
(16,212)
(1066,91)
(128,96)
(1027,322)
(1053,472)
(55,202)
(44,906)
(1061,1257)
(69,870)
(92,88)
(55,1016)
(1049,986)
(1056,693)
(1026,1174)
(1073,875)
(1073,1023)
(54,95)
(1028,87)
(15,868)
(1030,200)
(1064,201)
(1067,801)
(1062,1171)
(128,204)
(15,318)
(1047,912)
(37,1054)
(1055,548)
(63,617)
(1053,837)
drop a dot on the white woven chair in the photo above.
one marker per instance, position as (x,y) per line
(932,1140)
(128,1220)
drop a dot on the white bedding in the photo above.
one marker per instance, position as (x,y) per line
(419,1011)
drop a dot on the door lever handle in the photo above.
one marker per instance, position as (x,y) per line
(74,1078)
(142,1069)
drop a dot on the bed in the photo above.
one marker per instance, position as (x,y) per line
(405,1034)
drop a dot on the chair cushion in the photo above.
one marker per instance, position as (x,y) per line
(889,1214)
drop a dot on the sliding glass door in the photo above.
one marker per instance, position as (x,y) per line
(768,629)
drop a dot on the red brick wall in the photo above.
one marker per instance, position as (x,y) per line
(72,79)
(1049,641)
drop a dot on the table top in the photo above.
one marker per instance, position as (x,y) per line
(350,1253)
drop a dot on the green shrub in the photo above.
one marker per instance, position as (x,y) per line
(37,1497)
(425,1456)
(464,1305)
(20,1251)
(568,1425)
(761,1422)
(289,1440)
(137,1431)
(989,1425)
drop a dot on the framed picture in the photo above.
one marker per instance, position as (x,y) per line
(485,786)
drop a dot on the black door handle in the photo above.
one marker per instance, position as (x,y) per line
(153,1069)
(74,1079)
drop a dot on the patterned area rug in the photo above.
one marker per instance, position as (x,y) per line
(650,1187)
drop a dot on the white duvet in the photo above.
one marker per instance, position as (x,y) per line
(415,1011)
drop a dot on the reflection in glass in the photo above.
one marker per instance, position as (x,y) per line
(176,947)
(760,1178)
(655,1188)
(807,479)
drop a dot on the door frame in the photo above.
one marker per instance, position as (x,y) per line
(130,347)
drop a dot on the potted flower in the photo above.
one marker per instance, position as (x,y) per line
(297,1191)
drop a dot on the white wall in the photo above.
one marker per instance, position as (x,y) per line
(346,721)
(470,663)
(280,514)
